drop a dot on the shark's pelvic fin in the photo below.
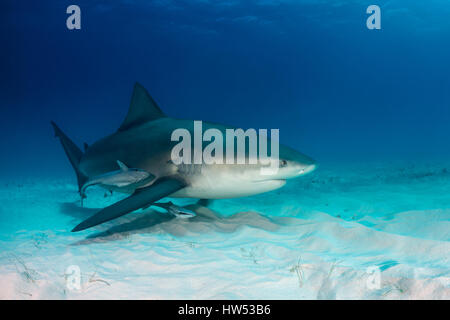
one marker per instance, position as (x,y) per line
(73,153)
(122,166)
(204,202)
(141,198)
(142,109)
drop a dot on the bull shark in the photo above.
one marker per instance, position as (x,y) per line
(143,142)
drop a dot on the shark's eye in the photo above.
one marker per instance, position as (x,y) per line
(283,163)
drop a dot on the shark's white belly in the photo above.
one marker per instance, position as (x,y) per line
(222,188)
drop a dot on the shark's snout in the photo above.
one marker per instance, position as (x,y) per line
(295,164)
(307,169)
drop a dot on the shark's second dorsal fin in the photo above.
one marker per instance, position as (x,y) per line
(122,166)
(142,109)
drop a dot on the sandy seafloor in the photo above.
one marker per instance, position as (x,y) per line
(319,237)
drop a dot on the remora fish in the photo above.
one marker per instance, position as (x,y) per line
(175,210)
(123,180)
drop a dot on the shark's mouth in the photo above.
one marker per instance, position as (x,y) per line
(269,180)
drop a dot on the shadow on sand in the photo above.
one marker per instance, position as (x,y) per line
(151,221)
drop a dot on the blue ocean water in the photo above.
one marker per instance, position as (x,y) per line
(335,89)
(371,106)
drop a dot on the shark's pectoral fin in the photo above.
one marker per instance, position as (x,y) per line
(143,197)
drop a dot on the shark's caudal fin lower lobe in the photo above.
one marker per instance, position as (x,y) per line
(73,153)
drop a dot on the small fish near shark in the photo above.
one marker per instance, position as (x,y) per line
(142,148)
(131,178)
(175,210)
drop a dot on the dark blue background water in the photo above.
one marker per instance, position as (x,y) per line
(336,90)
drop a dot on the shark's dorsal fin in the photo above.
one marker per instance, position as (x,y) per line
(142,109)
(122,166)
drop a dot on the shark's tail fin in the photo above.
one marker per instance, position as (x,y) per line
(73,153)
